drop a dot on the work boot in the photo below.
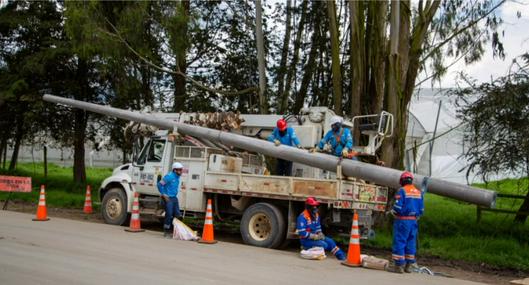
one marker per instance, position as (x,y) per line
(411,267)
(340,255)
(396,269)
(167,234)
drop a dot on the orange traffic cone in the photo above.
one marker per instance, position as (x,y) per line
(135,225)
(207,233)
(353,254)
(42,212)
(88,201)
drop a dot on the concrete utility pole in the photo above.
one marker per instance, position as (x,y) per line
(369,172)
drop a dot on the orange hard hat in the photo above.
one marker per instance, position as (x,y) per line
(281,124)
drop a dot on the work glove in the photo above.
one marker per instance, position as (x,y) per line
(327,147)
(314,149)
(313,236)
(424,185)
(320,236)
(277,142)
(299,146)
(345,153)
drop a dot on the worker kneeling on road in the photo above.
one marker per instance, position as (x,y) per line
(282,134)
(409,206)
(168,187)
(338,140)
(308,227)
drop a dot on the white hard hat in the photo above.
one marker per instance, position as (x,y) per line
(177,165)
(336,119)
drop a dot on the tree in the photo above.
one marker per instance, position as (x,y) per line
(385,65)
(497,116)
(335,51)
(32,55)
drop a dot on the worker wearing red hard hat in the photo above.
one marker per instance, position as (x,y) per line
(408,207)
(308,227)
(282,134)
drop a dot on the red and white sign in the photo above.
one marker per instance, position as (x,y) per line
(15,184)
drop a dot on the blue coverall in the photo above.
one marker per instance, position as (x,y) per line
(305,227)
(409,205)
(338,140)
(284,167)
(169,186)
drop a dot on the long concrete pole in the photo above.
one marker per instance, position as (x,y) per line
(369,172)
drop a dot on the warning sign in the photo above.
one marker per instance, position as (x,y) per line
(15,184)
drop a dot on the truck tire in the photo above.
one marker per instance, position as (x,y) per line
(263,225)
(114,207)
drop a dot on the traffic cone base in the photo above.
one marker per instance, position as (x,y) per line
(207,233)
(207,241)
(353,253)
(135,224)
(40,220)
(42,212)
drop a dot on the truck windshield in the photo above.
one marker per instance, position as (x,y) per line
(156,149)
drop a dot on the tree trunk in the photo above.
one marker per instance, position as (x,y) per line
(18,141)
(180,94)
(310,67)
(335,54)
(295,58)
(3,148)
(524,208)
(45,151)
(259,38)
(284,56)
(79,170)
(357,59)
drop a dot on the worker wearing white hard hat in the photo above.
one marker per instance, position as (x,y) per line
(339,139)
(168,187)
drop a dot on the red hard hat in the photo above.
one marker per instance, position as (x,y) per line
(311,201)
(405,175)
(281,124)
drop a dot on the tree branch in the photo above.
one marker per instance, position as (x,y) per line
(117,35)
(438,46)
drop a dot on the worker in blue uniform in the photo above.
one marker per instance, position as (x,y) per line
(168,187)
(338,139)
(308,227)
(282,134)
(408,208)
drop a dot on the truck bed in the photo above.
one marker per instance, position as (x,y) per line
(340,193)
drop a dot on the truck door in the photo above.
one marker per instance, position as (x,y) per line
(149,166)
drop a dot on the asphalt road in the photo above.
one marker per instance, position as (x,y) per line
(63,251)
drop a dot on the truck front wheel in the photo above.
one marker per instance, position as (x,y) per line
(263,225)
(114,207)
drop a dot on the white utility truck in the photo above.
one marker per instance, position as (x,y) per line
(265,205)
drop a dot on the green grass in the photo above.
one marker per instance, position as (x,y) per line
(61,191)
(449,230)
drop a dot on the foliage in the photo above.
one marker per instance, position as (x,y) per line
(497,115)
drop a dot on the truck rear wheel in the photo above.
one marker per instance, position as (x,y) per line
(263,225)
(114,207)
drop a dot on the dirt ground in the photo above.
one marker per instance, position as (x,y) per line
(449,268)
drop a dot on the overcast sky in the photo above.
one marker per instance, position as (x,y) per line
(515,41)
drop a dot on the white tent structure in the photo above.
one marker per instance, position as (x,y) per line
(432,113)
